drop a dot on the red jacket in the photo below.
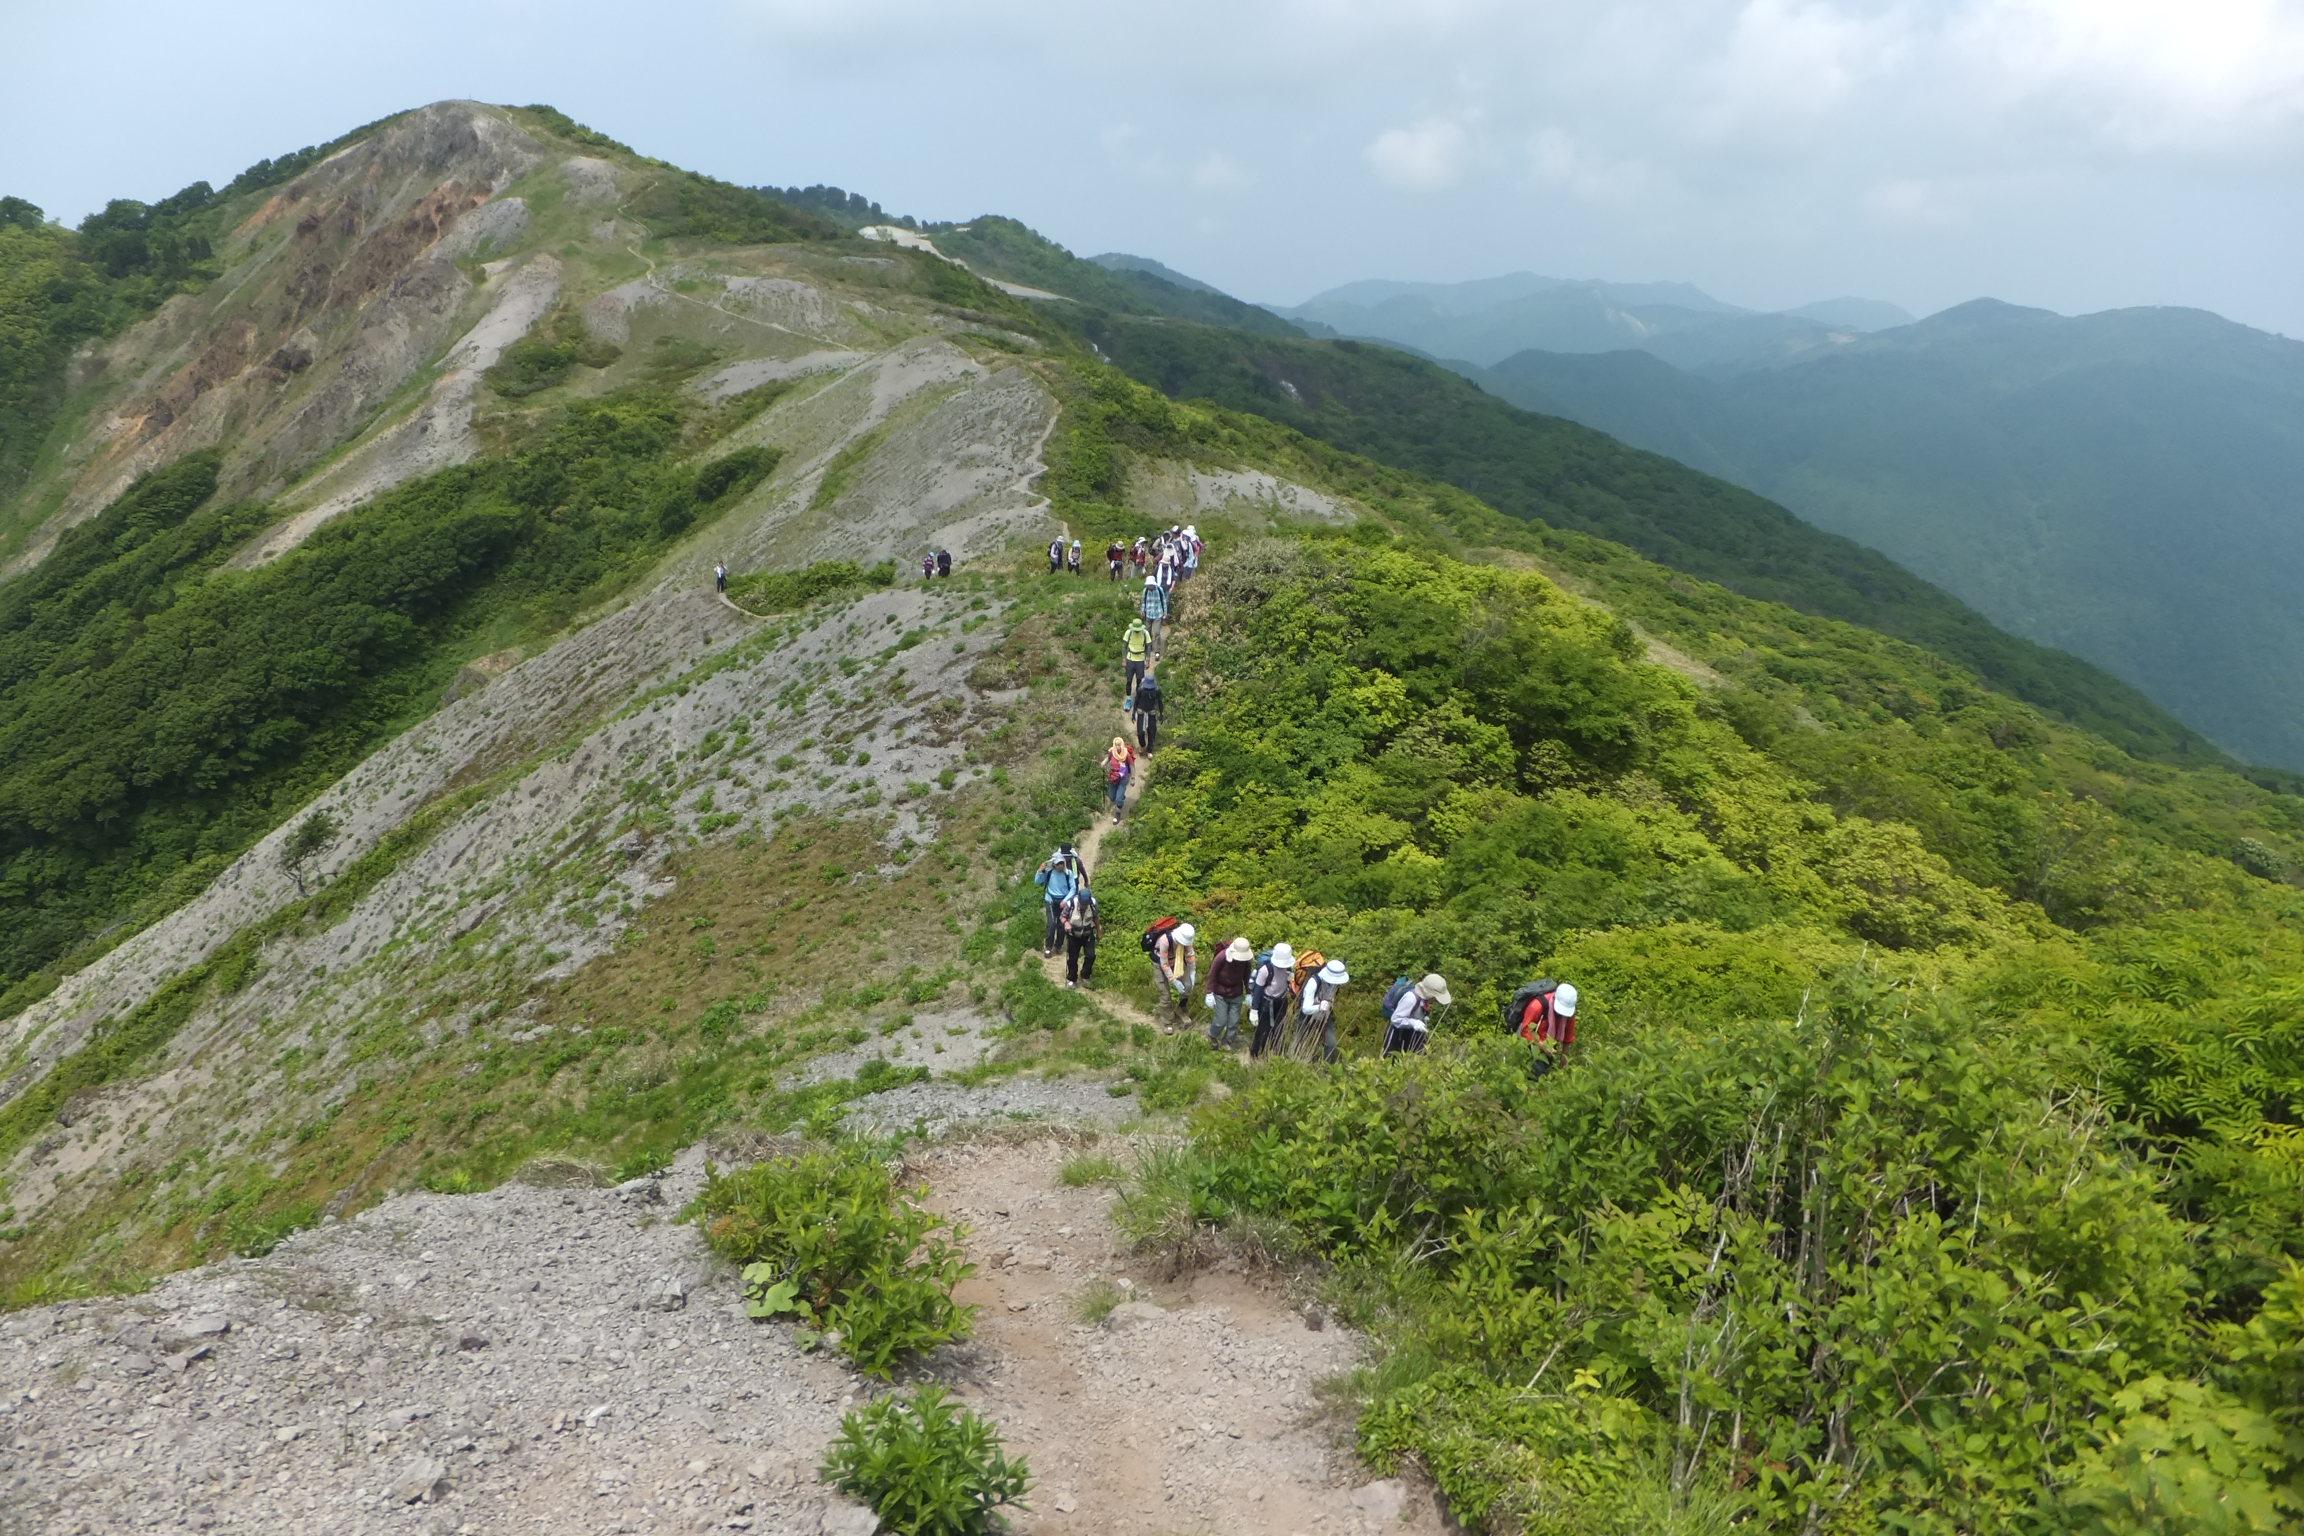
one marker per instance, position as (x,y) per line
(1545,1027)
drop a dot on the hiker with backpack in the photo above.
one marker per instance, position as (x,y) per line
(1081,922)
(1055,554)
(1114,554)
(943,562)
(1175,964)
(1409,1022)
(1154,608)
(1543,1013)
(1191,564)
(720,578)
(1269,994)
(1072,560)
(1135,656)
(1144,708)
(1316,1004)
(1119,768)
(1057,878)
(1228,993)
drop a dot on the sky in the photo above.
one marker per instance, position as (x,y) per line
(2074,154)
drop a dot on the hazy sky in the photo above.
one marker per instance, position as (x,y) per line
(2077,154)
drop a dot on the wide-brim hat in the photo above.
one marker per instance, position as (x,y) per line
(1434,989)
(1184,933)
(1239,949)
(1334,973)
(1564,1001)
(1283,955)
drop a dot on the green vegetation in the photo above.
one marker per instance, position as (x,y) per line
(1090,1168)
(542,359)
(927,1464)
(825,1236)
(2115,484)
(1006,249)
(159,711)
(784,591)
(1419,417)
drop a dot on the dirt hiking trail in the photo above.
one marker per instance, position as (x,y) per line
(1190,1407)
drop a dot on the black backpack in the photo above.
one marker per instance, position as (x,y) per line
(1148,697)
(1517,1009)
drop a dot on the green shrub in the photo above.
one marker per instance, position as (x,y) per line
(1090,1168)
(827,1237)
(927,1465)
(782,591)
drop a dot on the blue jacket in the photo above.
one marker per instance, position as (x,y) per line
(1155,603)
(1056,884)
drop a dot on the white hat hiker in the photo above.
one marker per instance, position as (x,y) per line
(1185,933)
(1283,956)
(1434,989)
(1564,1001)
(1240,949)
(1334,974)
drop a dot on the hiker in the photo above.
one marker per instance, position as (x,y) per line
(1114,555)
(1072,560)
(1119,767)
(1175,964)
(720,578)
(1228,993)
(1269,994)
(1140,554)
(1410,1022)
(1316,1006)
(928,567)
(1191,553)
(1081,922)
(1056,879)
(1055,554)
(1543,1013)
(1154,607)
(943,562)
(1135,657)
(1144,709)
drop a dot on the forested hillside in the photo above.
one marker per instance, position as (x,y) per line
(2119,485)
(1927,1160)
(1422,418)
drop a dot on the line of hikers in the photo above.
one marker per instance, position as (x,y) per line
(1168,559)
(1287,1000)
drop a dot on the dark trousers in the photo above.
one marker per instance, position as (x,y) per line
(1147,730)
(1135,676)
(1271,1017)
(1402,1038)
(1055,929)
(1079,956)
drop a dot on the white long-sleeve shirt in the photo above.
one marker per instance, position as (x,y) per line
(1411,1012)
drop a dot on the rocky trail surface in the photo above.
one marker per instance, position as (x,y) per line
(571,1359)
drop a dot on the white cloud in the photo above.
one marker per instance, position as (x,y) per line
(1911,202)
(1425,156)
(1219,173)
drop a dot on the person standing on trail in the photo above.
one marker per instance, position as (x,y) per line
(1114,555)
(1119,768)
(1057,879)
(1175,966)
(1228,993)
(1144,710)
(1140,555)
(1072,560)
(720,578)
(1081,923)
(1269,996)
(943,562)
(1191,553)
(1135,656)
(928,567)
(1154,607)
(1410,1026)
(1055,554)
(1316,1007)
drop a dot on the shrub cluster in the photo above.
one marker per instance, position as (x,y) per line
(827,1237)
(927,1465)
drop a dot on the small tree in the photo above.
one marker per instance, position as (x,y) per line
(312,837)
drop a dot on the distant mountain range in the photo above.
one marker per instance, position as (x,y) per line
(1487,320)
(2128,486)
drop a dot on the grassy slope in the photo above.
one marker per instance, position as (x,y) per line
(1004,248)
(1425,419)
